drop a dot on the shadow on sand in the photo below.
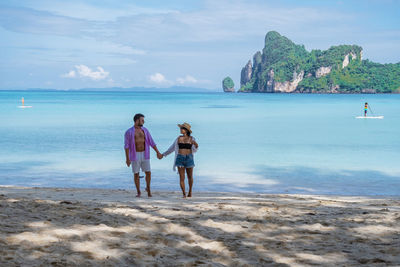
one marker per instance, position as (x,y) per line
(210,229)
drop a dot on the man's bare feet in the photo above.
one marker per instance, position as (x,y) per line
(190,194)
(138,194)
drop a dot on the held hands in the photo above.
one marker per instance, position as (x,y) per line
(160,156)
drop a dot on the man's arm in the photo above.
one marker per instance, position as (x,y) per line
(128,162)
(126,147)
(153,145)
(159,155)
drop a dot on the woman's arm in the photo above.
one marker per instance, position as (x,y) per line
(170,149)
(195,146)
(193,142)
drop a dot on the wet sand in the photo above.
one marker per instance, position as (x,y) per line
(98,227)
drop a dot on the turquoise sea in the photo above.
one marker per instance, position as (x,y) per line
(266,143)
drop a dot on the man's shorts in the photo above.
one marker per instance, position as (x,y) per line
(184,161)
(140,163)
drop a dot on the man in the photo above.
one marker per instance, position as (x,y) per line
(365,109)
(137,151)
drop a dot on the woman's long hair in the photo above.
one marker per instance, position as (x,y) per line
(187,131)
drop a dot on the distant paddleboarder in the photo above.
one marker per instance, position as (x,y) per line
(23,104)
(365,109)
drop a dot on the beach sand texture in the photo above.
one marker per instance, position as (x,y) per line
(99,227)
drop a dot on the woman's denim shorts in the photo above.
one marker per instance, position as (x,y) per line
(184,161)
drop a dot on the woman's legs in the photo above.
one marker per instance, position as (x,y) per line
(189,172)
(181,171)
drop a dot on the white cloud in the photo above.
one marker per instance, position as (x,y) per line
(27,20)
(214,22)
(112,48)
(70,74)
(158,78)
(187,79)
(84,71)
(94,11)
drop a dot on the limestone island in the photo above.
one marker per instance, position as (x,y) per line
(285,67)
(227,85)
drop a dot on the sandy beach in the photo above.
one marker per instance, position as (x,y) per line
(98,227)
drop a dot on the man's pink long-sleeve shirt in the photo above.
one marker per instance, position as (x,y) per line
(130,143)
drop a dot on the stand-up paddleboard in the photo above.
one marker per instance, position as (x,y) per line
(366,108)
(23,104)
(370,117)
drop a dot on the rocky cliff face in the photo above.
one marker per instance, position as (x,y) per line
(289,86)
(322,71)
(229,90)
(270,82)
(246,73)
(346,59)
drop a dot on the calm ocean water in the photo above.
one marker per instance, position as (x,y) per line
(267,143)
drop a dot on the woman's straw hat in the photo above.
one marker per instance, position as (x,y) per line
(186,126)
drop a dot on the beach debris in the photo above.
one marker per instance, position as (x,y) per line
(66,202)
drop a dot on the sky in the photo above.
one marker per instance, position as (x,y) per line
(54,44)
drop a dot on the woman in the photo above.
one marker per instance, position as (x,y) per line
(184,146)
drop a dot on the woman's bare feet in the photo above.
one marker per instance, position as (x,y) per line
(190,194)
(138,194)
(148,192)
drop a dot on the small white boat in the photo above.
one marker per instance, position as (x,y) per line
(23,104)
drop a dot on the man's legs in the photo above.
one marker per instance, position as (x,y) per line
(148,179)
(137,183)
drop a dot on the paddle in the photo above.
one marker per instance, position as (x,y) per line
(369,106)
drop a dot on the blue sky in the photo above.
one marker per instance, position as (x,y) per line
(80,44)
